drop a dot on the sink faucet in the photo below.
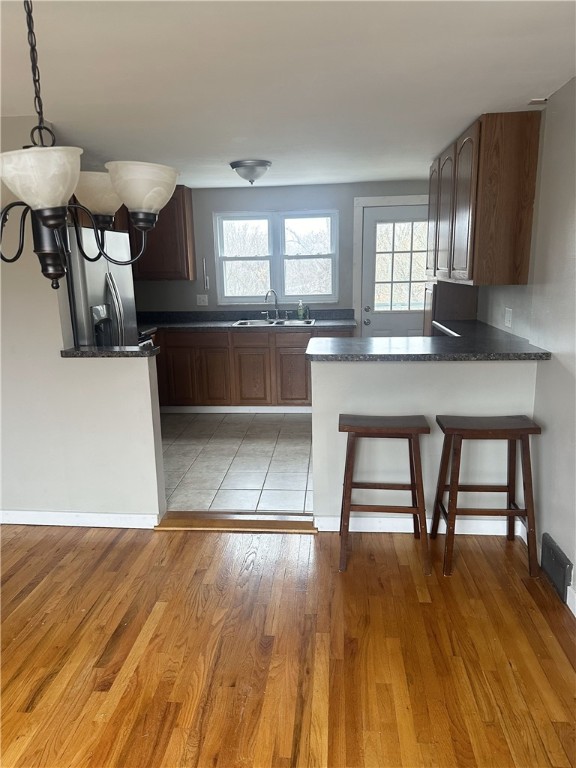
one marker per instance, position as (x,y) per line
(275,301)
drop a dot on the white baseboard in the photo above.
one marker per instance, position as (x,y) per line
(571,599)
(403,524)
(236,409)
(82,519)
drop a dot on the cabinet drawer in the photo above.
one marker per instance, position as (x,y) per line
(292,339)
(179,338)
(250,339)
(218,339)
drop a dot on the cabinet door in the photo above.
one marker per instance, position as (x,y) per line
(432,217)
(161,369)
(213,370)
(292,376)
(180,366)
(252,376)
(465,185)
(292,368)
(445,212)
(169,253)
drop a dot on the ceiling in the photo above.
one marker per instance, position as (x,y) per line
(330,92)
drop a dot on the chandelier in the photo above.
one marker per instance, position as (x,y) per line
(50,186)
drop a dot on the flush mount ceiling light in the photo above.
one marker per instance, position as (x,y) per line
(250,170)
(45,177)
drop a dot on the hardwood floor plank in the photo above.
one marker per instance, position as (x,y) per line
(177,649)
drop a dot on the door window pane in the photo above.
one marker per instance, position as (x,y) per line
(403,236)
(382,296)
(417,296)
(400,296)
(383,267)
(420,236)
(418,266)
(401,266)
(384,236)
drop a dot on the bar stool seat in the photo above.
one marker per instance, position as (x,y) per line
(510,428)
(407,427)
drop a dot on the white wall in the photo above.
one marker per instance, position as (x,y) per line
(79,436)
(545,313)
(181,296)
(429,388)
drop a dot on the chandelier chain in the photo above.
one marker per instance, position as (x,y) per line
(41,128)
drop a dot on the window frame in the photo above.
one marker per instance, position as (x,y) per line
(277,258)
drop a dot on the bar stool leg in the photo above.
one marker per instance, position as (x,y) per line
(418,496)
(452,504)
(533,566)
(415,519)
(442,474)
(511,496)
(346,499)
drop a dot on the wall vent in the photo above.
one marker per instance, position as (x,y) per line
(556,566)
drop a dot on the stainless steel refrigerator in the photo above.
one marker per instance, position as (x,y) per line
(103,293)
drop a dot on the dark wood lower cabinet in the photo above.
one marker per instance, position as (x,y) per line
(235,368)
(213,371)
(292,369)
(252,376)
(181,376)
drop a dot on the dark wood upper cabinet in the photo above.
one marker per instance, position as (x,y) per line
(169,253)
(445,211)
(432,217)
(485,195)
(465,182)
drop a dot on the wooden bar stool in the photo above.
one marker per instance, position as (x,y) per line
(510,428)
(407,427)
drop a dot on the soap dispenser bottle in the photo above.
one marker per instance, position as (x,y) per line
(300,310)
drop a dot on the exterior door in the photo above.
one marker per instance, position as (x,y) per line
(394,245)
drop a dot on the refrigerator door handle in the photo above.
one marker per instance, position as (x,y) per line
(118,308)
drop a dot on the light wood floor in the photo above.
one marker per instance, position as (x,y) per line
(165,649)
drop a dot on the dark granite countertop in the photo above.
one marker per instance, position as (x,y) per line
(224,320)
(145,350)
(224,325)
(478,342)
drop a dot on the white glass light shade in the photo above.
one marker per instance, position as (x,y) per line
(95,192)
(250,170)
(41,177)
(144,187)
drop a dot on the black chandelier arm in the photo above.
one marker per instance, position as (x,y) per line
(4,219)
(99,238)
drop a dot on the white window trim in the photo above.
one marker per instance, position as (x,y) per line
(277,256)
(360,203)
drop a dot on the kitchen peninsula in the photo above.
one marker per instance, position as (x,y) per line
(486,371)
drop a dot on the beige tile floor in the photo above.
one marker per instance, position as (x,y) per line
(238,461)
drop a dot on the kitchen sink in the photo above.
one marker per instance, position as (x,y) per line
(245,323)
(294,322)
(289,323)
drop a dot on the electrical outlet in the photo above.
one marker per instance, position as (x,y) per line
(202,300)
(508,317)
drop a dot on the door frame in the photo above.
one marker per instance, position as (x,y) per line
(360,204)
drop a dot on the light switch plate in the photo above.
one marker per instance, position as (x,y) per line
(202,300)
(508,317)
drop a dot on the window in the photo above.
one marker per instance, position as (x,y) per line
(400,265)
(296,254)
